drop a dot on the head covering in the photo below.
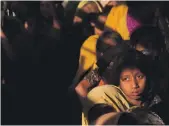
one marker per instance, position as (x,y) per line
(83,3)
(104,2)
(116,20)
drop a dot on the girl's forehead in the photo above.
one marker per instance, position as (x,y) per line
(130,70)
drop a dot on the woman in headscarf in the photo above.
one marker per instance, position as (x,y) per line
(89,52)
(93,7)
(88,57)
(126,18)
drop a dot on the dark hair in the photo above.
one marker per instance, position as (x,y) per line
(94,18)
(98,110)
(116,37)
(12,27)
(107,9)
(134,59)
(25,10)
(143,11)
(149,37)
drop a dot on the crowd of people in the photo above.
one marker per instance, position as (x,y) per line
(84,62)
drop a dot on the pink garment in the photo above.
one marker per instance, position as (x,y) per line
(132,24)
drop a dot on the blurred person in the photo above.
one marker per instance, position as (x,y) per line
(110,4)
(84,8)
(88,50)
(97,24)
(48,11)
(141,39)
(106,40)
(93,7)
(125,18)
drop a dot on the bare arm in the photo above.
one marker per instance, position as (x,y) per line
(82,88)
(91,80)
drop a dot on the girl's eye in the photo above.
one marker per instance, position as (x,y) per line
(125,79)
(140,76)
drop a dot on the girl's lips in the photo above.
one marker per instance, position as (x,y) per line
(135,93)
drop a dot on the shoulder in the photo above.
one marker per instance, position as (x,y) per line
(115,15)
(119,8)
(93,37)
(103,92)
(90,43)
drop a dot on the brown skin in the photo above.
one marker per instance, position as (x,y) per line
(133,83)
(77,19)
(112,3)
(102,19)
(97,31)
(2,34)
(109,41)
(82,87)
(139,47)
(90,7)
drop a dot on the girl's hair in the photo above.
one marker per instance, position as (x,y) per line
(134,59)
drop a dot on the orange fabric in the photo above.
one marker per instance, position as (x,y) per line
(87,59)
(117,20)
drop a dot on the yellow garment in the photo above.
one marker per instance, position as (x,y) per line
(106,94)
(82,3)
(87,57)
(117,20)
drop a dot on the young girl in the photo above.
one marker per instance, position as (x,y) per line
(135,88)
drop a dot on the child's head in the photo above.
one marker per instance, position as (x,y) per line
(148,39)
(106,40)
(132,72)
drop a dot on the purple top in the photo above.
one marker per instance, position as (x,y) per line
(132,24)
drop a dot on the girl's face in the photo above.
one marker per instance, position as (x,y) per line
(133,83)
